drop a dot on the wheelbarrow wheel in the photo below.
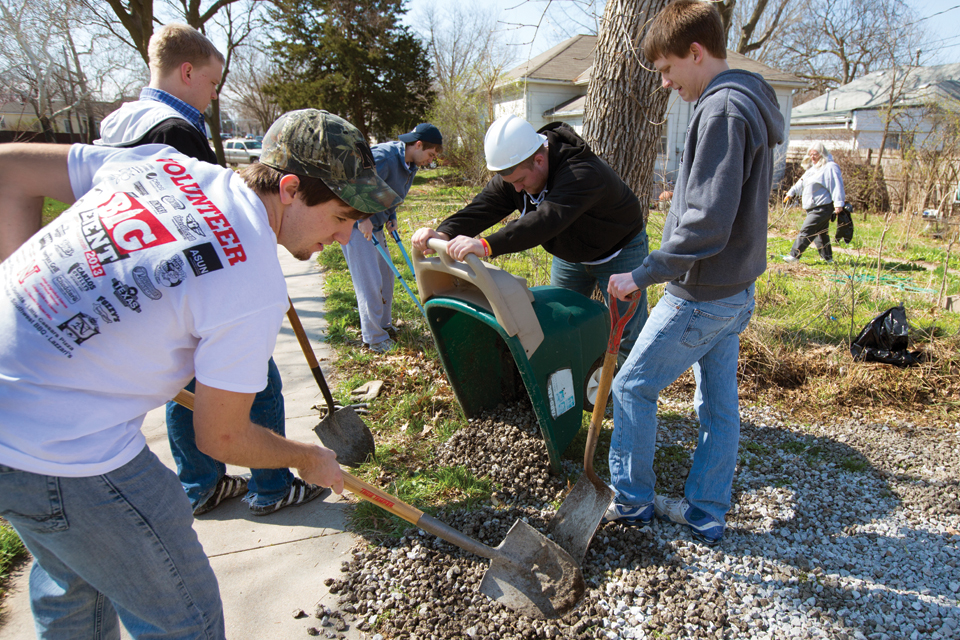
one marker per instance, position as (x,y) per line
(591,384)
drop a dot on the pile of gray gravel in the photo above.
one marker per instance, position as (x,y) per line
(847,530)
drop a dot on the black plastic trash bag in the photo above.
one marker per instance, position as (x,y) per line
(845,224)
(885,339)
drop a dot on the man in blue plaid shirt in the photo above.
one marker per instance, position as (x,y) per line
(185,69)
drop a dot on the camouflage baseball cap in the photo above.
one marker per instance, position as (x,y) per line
(321,145)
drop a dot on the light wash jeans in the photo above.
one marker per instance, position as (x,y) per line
(199,472)
(583,277)
(373,284)
(121,543)
(678,335)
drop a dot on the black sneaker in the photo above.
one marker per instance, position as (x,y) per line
(227,487)
(300,493)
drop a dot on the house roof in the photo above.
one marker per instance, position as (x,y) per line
(565,62)
(915,86)
(571,61)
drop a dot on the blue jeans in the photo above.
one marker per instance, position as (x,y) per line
(118,544)
(199,472)
(583,277)
(678,335)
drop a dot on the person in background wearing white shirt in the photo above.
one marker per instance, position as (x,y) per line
(822,197)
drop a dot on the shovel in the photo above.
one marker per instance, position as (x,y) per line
(386,256)
(528,572)
(580,514)
(396,237)
(341,430)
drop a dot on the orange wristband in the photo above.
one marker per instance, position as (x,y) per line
(486,248)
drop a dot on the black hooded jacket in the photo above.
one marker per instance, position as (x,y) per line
(587,214)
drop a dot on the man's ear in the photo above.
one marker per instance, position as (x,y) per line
(288,188)
(696,50)
(186,73)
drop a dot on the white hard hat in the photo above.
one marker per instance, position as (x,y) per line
(509,141)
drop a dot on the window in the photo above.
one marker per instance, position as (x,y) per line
(899,141)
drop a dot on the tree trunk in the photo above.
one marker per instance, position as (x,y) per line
(214,123)
(623,118)
(47,128)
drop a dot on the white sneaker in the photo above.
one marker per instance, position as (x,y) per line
(703,527)
(789,258)
(382,347)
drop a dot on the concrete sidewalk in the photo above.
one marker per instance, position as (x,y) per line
(267,566)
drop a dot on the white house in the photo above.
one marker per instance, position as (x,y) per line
(553,86)
(855,115)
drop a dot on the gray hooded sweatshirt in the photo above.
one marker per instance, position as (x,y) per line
(715,235)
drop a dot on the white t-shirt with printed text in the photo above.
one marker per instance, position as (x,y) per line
(165,268)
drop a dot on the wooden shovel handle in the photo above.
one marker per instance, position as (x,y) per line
(307,349)
(184,398)
(596,418)
(617,324)
(381,498)
(356,486)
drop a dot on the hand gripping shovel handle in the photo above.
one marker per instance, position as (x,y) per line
(396,272)
(617,325)
(310,355)
(396,237)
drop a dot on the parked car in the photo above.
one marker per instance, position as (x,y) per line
(240,151)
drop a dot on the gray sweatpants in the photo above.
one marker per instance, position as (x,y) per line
(373,284)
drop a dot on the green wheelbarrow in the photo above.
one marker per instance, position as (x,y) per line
(499,341)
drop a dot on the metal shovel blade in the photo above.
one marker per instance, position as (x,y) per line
(345,433)
(532,575)
(579,516)
(528,572)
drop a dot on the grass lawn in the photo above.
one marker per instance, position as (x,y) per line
(51,209)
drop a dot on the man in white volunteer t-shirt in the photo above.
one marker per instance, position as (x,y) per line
(164,268)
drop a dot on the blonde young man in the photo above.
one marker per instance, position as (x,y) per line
(107,312)
(713,249)
(185,69)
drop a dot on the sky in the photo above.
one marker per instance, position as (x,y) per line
(940,18)
(943,46)
(522,23)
